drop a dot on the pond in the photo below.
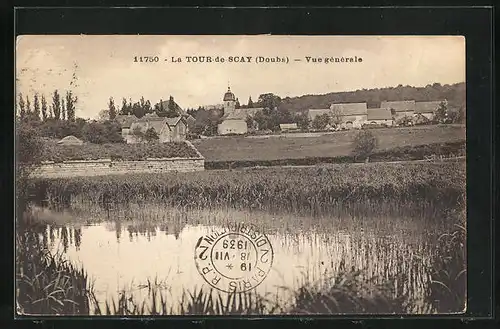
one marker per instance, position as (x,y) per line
(134,249)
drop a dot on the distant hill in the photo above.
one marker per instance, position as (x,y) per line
(455,94)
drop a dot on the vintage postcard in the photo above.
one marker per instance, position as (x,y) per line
(253,175)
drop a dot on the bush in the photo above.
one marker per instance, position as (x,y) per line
(363,145)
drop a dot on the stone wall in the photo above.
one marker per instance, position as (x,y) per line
(107,166)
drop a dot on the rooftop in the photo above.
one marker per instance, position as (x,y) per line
(379,114)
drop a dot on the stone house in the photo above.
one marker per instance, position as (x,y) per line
(380,116)
(428,109)
(168,129)
(399,109)
(344,115)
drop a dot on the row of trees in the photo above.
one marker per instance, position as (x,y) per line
(140,108)
(57,119)
(60,108)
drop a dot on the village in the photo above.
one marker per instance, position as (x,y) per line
(355,174)
(180,125)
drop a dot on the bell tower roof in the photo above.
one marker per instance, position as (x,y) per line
(229,96)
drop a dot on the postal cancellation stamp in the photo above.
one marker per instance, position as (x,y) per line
(234,259)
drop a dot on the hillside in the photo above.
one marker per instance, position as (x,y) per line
(455,94)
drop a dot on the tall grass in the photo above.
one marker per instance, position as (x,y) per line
(297,190)
(47,283)
(448,288)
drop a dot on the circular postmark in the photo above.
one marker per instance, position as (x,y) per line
(234,259)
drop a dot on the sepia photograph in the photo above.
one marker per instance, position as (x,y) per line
(240,175)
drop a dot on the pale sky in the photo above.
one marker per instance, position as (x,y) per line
(105,66)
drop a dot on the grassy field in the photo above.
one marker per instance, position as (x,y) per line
(293,146)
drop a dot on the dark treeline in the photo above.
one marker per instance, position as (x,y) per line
(56,118)
(142,107)
(455,94)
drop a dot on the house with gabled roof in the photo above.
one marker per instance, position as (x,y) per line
(344,115)
(428,109)
(380,116)
(167,129)
(399,109)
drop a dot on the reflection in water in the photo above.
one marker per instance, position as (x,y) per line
(164,250)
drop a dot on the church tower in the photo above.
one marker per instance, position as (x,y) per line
(229,101)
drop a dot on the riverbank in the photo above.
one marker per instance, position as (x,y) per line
(309,189)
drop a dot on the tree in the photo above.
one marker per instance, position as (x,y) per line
(138,133)
(138,110)
(250,122)
(111,109)
(363,145)
(29,149)
(172,110)
(336,115)
(302,120)
(63,110)
(105,132)
(147,107)
(269,100)
(321,121)
(71,101)
(103,115)
(36,107)
(22,106)
(28,107)
(151,135)
(44,108)
(237,105)
(250,103)
(125,110)
(56,105)
(441,113)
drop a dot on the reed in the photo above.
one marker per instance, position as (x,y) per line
(297,190)
(47,283)
(448,286)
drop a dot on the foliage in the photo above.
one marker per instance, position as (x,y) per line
(36,107)
(151,135)
(271,118)
(28,144)
(348,293)
(449,274)
(250,102)
(336,116)
(363,144)
(54,152)
(321,121)
(302,120)
(56,105)
(44,108)
(454,93)
(22,106)
(300,190)
(100,133)
(441,114)
(207,121)
(269,100)
(111,109)
(45,283)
